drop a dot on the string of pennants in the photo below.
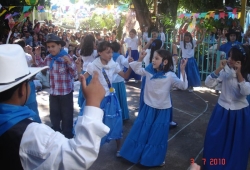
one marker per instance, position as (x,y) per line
(25,10)
(213,14)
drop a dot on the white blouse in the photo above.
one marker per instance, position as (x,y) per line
(88,59)
(111,69)
(123,62)
(132,43)
(157,91)
(189,51)
(233,94)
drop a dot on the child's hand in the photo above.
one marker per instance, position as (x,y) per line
(237,67)
(67,59)
(194,166)
(223,63)
(38,50)
(142,55)
(130,59)
(183,64)
(93,97)
(78,65)
(28,49)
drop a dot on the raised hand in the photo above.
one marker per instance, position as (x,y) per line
(28,49)
(38,50)
(183,64)
(92,95)
(237,67)
(223,63)
(67,59)
(142,55)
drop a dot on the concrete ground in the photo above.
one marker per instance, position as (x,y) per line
(191,110)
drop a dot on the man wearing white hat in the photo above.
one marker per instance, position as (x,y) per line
(25,144)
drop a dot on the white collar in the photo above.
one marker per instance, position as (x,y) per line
(111,64)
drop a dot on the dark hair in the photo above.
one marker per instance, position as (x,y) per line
(6,95)
(188,34)
(154,30)
(115,46)
(156,45)
(132,31)
(87,46)
(166,55)
(20,42)
(242,56)
(114,32)
(102,46)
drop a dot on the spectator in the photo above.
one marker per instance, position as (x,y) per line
(28,38)
(43,77)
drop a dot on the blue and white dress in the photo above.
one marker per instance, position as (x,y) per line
(86,60)
(191,69)
(228,132)
(110,104)
(147,140)
(119,85)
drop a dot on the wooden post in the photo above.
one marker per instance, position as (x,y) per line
(243,13)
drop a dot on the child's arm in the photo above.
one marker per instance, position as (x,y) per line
(38,59)
(174,38)
(211,79)
(79,69)
(181,83)
(202,37)
(137,65)
(71,65)
(148,44)
(122,40)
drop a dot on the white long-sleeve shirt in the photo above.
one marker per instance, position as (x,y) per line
(42,148)
(157,91)
(233,94)
(123,62)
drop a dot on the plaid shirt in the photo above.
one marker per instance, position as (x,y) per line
(61,75)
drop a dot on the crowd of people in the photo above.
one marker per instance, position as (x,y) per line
(46,56)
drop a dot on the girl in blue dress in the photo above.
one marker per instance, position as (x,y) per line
(87,53)
(118,81)
(227,140)
(147,141)
(187,45)
(107,69)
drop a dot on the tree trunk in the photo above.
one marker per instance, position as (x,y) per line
(143,15)
(169,8)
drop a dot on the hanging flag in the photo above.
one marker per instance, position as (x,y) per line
(26,8)
(212,14)
(239,15)
(3,12)
(11,7)
(230,15)
(216,17)
(235,11)
(182,16)
(7,16)
(40,7)
(222,15)
(196,15)
(188,15)
(26,14)
(229,8)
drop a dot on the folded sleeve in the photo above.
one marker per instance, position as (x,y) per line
(137,68)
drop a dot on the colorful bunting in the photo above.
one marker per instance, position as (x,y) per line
(222,15)
(212,14)
(229,8)
(216,17)
(182,16)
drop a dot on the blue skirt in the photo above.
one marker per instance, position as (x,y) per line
(192,72)
(248,99)
(228,139)
(120,91)
(81,98)
(135,56)
(147,140)
(112,117)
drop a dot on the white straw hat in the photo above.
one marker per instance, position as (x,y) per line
(13,66)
